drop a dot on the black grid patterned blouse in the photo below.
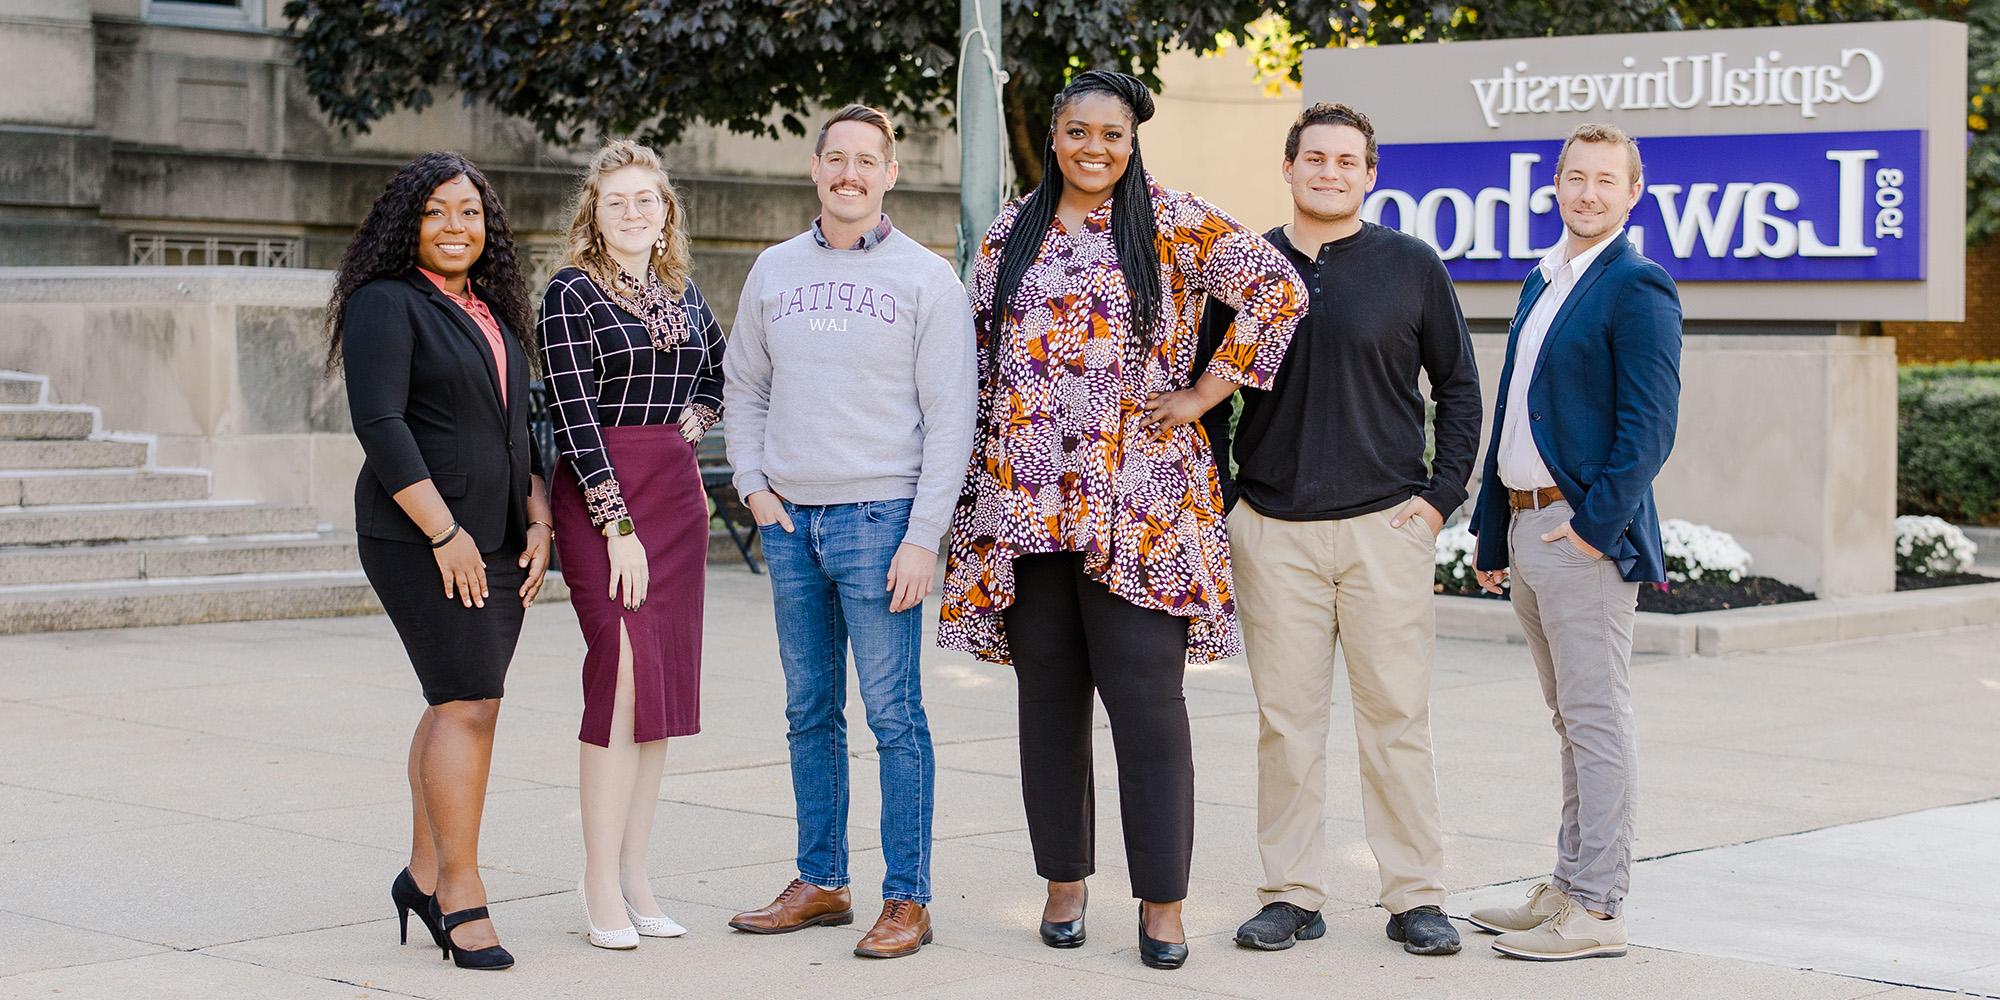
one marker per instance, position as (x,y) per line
(603,371)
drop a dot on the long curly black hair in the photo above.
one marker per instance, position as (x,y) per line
(386,246)
(1133,229)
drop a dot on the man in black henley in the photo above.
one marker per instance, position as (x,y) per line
(1334,539)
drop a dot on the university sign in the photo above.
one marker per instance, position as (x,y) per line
(1802,173)
(1817,206)
(1684,82)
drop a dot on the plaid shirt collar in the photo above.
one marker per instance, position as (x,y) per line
(869,240)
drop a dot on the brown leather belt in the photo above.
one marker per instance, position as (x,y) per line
(1533,499)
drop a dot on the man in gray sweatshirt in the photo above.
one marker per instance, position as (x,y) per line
(849,386)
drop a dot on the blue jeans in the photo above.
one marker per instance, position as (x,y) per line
(829,578)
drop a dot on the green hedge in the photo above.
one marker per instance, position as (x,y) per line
(1948,447)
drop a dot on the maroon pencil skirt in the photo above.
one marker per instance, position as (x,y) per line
(662,489)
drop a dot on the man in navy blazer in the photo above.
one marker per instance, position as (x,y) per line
(1589,399)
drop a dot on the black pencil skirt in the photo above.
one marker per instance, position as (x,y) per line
(460,653)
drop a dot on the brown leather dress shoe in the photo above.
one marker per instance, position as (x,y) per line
(902,928)
(802,904)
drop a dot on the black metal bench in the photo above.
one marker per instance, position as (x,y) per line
(716,481)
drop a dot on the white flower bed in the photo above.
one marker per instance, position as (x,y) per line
(1699,552)
(1694,552)
(1455,546)
(1932,546)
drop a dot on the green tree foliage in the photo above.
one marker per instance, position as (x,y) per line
(652,68)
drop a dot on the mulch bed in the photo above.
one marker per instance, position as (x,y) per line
(1911,581)
(1685,598)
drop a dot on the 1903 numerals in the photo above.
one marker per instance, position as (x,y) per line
(1889,203)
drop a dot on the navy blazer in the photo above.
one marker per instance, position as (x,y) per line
(1602,406)
(425,397)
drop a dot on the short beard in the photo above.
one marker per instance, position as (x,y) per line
(1609,227)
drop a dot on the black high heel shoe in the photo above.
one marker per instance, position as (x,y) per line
(1068,933)
(410,899)
(485,959)
(1159,954)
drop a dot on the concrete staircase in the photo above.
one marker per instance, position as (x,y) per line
(93,536)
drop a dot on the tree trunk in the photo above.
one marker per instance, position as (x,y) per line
(1021,145)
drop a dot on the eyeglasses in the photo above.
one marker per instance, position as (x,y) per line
(647,204)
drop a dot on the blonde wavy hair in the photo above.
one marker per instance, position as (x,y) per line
(587,250)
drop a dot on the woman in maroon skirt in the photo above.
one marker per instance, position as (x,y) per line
(634,359)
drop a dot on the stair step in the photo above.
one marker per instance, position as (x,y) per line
(45,564)
(71,454)
(47,423)
(127,522)
(20,390)
(80,486)
(259,597)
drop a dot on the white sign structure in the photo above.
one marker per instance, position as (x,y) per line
(1801,173)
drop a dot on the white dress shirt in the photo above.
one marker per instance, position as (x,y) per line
(1521,465)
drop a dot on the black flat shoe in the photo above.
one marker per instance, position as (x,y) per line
(410,899)
(485,959)
(1068,933)
(1160,954)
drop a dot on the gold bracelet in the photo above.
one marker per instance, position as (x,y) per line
(438,539)
(545,524)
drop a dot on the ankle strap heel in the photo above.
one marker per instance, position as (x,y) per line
(491,959)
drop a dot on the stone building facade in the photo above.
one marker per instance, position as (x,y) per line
(178,132)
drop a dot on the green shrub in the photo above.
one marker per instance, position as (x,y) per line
(1948,442)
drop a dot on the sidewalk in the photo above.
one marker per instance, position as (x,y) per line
(217,810)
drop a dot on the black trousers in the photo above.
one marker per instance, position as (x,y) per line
(1070,635)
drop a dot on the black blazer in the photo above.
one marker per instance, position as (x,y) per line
(422,388)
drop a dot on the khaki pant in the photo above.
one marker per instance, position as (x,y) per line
(1300,587)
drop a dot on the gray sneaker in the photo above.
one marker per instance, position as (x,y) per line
(1570,933)
(1543,902)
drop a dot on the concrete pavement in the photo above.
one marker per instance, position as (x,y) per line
(217,810)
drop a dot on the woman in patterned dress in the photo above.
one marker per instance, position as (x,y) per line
(1088,548)
(634,360)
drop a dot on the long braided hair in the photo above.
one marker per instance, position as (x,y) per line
(1134,232)
(386,246)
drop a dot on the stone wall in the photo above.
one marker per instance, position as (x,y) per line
(1787,443)
(222,366)
(116,120)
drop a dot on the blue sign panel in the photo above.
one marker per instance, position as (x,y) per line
(1818,206)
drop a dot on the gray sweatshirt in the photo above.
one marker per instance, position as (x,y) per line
(850,376)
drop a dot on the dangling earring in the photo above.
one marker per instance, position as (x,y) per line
(660,245)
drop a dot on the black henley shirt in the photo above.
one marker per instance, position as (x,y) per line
(1340,432)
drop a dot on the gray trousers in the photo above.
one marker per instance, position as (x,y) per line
(1578,613)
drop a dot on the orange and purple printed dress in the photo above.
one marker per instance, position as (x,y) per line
(1061,463)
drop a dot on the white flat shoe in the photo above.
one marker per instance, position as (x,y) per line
(622,939)
(661,926)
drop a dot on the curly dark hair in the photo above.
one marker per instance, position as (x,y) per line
(1134,231)
(386,246)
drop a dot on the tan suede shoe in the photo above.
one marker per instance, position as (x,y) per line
(802,904)
(1543,902)
(902,928)
(1570,933)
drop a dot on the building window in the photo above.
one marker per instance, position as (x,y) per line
(161,250)
(207,13)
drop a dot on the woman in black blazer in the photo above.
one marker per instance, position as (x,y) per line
(431,321)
